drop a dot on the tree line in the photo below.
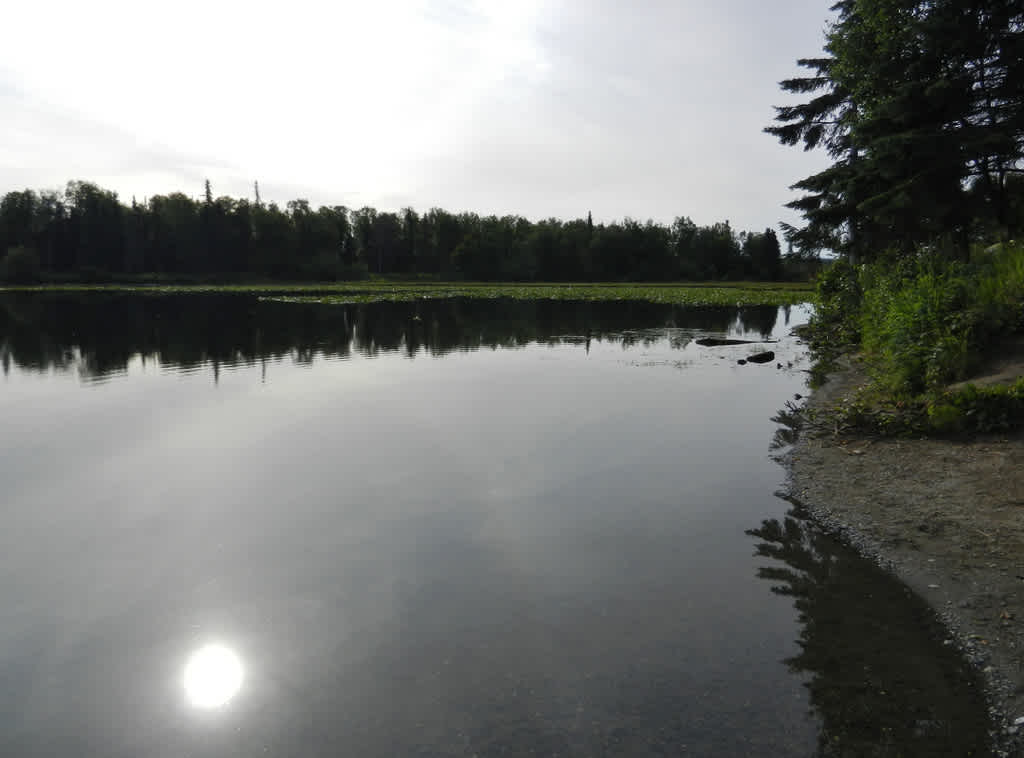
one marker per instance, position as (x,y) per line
(87,232)
(920,104)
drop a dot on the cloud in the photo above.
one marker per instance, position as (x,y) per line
(63,145)
(649,109)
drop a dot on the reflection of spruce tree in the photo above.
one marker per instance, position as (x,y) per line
(790,420)
(881,684)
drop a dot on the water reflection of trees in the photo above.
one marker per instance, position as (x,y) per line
(790,419)
(881,680)
(98,335)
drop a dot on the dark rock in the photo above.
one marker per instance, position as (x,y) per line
(744,363)
(718,342)
(766,357)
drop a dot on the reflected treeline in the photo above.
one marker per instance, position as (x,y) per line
(881,680)
(99,334)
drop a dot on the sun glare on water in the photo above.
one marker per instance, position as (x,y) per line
(213,676)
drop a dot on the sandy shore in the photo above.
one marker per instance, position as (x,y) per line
(946,517)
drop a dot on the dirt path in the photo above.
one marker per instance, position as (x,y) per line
(946,517)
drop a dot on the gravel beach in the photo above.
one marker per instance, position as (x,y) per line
(946,517)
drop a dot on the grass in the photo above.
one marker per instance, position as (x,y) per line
(700,293)
(923,325)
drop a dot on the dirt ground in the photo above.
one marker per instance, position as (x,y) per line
(946,517)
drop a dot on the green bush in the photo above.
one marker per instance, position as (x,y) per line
(837,316)
(916,324)
(1000,292)
(928,321)
(20,266)
(978,409)
(922,323)
(834,327)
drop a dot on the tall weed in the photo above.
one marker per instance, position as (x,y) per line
(928,321)
(917,324)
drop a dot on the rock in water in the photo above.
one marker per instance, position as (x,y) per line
(718,342)
(766,357)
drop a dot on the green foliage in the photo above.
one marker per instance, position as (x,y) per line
(915,326)
(928,322)
(978,409)
(921,107)
(839,300)
(19,266)
(834,328)
(923,324)
(764,253)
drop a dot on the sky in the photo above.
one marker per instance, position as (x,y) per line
(650,109)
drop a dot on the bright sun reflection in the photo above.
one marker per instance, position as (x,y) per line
(213,675)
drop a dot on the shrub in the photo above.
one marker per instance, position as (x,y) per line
(978,409)
(928,321)
(834,327)
(922,323)
(837,315)
(916,324)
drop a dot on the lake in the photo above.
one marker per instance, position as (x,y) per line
(238,527)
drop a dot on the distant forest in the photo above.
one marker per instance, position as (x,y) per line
(87,233)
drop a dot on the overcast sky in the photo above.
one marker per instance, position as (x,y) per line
(647,108)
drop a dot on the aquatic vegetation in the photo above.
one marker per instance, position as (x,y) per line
(669,295)
(716,293)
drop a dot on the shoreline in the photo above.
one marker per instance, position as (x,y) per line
(945,517)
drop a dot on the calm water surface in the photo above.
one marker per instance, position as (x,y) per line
(235,528)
